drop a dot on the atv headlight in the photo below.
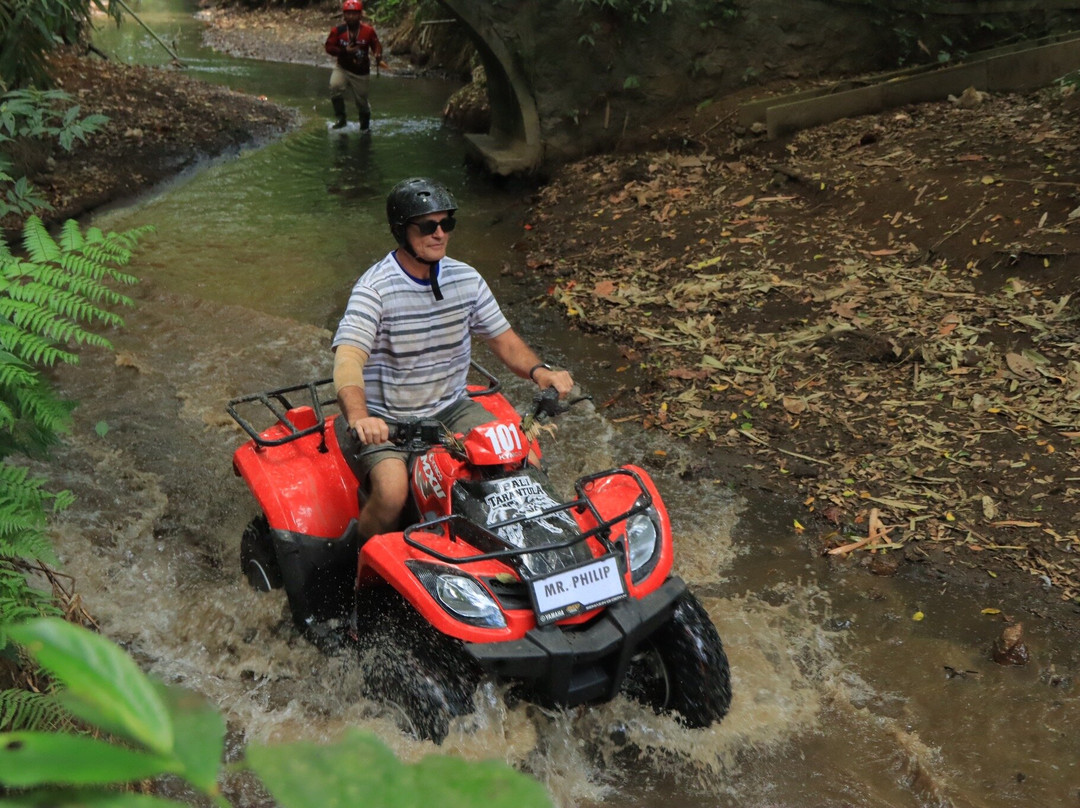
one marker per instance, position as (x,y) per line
(642,538)
(467,598)
(460,595)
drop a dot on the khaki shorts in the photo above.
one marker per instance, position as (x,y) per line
(461,416)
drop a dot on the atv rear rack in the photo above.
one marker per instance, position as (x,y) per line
(278,403)
(487,540)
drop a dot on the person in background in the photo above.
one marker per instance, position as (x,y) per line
(354,44)
(403,347)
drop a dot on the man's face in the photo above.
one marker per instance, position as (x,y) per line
(352,18)
(430,246)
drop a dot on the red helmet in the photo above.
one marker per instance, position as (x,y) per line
(352,5)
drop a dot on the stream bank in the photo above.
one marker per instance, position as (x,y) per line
(161,124)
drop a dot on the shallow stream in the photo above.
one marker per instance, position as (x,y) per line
(842,698)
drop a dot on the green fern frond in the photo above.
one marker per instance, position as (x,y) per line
(58,326)
(74,273)
(62,500)
(30,545)
(46,299)
(71,237)
(19,600)
(82,269)
(31,348)
(37,242)
(26,711)
(129,239)
(20,492)
(43,412)
(7,421)
(14,373)
(107,252)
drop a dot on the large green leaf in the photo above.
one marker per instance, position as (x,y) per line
(360,770)
(53,758)
(453,783)
(104,685)
(200,736)
(83,798)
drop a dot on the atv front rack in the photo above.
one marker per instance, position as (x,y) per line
(494,546)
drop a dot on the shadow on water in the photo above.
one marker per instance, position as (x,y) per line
(841,697)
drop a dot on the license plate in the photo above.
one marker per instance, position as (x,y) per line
(576,590)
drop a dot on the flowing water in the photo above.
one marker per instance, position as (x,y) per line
(841,697)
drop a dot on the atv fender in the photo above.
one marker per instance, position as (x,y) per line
(304,486)
(319,575)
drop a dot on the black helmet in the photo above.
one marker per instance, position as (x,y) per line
(414,197)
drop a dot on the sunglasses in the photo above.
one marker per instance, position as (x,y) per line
(429,226)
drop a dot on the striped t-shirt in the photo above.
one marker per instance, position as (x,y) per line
(418,347)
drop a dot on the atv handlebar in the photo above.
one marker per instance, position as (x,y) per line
(547,404)
(411,434)
(418,434)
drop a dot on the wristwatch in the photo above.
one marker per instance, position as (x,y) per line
(537,367)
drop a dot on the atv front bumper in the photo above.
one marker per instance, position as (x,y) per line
(573,665)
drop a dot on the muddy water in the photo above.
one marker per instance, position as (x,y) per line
(841,697)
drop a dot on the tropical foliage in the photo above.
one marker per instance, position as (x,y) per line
(145,729)
(51,297)
(31,29)
(35,115)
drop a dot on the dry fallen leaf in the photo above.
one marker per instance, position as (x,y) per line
(1022,366)
(796,406)
(604,288)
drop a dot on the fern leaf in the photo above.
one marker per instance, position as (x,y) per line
(43,410)
(37,241)
(57,319)
(71,237)
(107,253)
(31,348)
(26,711)
(29,544)
(7,421)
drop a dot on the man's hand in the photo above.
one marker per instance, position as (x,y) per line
(559,379)
(370,430)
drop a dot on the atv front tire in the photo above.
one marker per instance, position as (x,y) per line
(683,668)
(257,557)
(428,677)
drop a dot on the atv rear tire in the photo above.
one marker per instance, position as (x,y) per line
(428,677)
(683,668)
(257,557)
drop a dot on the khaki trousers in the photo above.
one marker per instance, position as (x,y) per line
(344,84)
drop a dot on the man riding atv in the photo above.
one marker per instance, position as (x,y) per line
(403,347)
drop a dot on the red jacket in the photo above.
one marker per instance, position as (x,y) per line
(359,61)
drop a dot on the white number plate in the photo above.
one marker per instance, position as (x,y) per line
(577,590)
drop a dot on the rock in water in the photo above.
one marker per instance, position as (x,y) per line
(1009,648)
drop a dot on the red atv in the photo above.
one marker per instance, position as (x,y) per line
(492,575)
